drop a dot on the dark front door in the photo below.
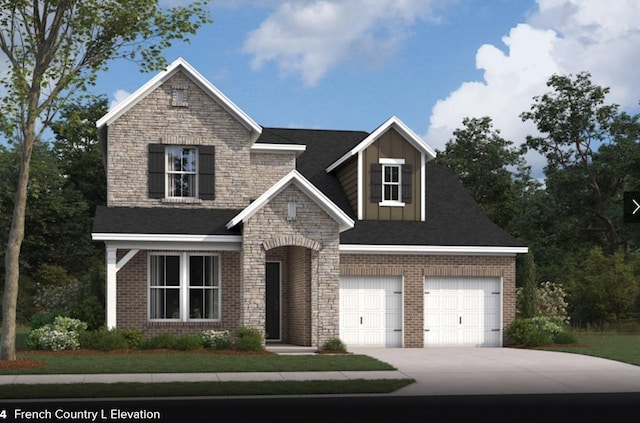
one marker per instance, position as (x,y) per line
(272,326)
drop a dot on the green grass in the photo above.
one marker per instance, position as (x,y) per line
(619,347)
(184,362)
(119,390)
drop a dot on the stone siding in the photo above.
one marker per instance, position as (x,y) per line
(156,120)
(269,228)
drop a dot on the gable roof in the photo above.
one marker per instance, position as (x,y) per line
(395,123)
(296,178)
(198,79)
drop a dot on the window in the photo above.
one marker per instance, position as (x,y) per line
(203,287)
(181,172)
(391,183)
(184,287)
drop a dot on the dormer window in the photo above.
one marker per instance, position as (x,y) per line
(391,183)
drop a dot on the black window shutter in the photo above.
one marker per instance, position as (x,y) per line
(407,189)
(376,182)
(206,166)
(156,171)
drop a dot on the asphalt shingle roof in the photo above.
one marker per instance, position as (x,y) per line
(452,216)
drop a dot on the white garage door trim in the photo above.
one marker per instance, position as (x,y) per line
(371,311)
(463,311)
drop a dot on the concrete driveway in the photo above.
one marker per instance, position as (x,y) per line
(501,371)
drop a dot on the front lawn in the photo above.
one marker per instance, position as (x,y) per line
(189,362)
(625,348)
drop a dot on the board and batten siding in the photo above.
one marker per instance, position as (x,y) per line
(392,145)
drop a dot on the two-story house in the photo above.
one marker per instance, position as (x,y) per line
(214,222)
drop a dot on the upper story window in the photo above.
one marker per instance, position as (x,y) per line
(391,182)
(180,96)
(182,172)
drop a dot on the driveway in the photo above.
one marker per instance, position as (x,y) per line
(500,371)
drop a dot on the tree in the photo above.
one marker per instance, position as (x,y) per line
(587,144)
(493,172)
(53,49)
(529,289)
(77,148)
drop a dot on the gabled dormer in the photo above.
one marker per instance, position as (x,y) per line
(384,176)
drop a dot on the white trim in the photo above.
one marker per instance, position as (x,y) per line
(387,161)
(294,177)
(278,148)
(429,249)
(110,288)
(197,78)
(391,203)
(165,238)
(124,260)
(360,178)
(423,188)
(395,123)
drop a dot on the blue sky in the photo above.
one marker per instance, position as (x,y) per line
(351,64)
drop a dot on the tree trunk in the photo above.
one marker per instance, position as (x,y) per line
(12,255)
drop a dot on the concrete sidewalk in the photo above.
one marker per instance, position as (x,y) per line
(199,377)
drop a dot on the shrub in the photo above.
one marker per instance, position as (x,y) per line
(216,340)
(134,337)
(188,341)
(41,319)
(103,340)
(334,345)
(248,339)
(61,334)
(564,337)
(536,331)
(550,302)
(161,341)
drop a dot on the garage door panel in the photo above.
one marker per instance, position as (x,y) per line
(374,306)
(462,311)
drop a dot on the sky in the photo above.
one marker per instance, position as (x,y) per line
(352,64)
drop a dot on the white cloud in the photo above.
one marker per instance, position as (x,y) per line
(118,97)
(563,36)
(309,38)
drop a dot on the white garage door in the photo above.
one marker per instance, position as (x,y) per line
(371,311)
(462,311)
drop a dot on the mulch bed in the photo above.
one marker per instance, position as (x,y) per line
(27,363)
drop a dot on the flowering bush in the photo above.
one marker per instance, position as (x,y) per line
(551,302)
(62,334)
(217,339)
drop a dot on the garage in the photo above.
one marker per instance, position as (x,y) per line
(371,311)
(462,311)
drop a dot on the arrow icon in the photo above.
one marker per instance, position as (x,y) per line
(637,207)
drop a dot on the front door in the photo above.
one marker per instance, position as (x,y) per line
(272,325)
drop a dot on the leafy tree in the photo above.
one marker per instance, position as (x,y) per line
(590,148)
(54,48)
(77,148)
(493,171)
(605,287)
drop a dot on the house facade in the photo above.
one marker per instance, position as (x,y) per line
(214,222)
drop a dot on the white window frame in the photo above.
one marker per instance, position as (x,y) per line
(386,164)
(185,287)
(204,288)
(169,173)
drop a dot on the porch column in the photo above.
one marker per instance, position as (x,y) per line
(111,287)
